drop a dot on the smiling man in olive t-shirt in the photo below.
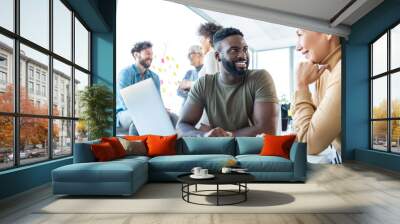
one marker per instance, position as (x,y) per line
(238,101)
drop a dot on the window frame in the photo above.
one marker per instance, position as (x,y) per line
(3,71)
(3,74)
(388,74)
(16,115)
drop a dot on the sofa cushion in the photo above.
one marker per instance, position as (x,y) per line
(185,163)
(257,163)
(249,145)
(112,171)
(206,145)
(131,158)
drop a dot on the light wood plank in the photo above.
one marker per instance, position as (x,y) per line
(377,190)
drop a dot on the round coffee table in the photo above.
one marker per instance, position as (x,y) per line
(238,179)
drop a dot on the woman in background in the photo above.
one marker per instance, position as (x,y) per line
(206,32)
(210,67)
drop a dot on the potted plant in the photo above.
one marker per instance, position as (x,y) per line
(96,103)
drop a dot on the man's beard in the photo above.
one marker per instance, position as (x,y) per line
(231,68)
(144,63)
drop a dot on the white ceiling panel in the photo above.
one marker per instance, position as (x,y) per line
(328,16)
(259,35)
(320,9)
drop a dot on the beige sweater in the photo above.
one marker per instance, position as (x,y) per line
(317,118)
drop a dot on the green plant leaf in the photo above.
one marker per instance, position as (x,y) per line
(96,102)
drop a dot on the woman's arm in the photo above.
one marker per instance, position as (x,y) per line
(318,126)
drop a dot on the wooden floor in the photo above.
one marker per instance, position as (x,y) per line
(377,188)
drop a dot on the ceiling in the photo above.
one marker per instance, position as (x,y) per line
(328,16)
(318,9)
(259,35)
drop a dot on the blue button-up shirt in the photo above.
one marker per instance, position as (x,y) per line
(129,76)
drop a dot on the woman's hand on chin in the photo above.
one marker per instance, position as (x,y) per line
(307,73)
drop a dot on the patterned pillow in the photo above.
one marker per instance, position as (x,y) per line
(137,147)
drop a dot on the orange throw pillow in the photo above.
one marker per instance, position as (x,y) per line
(103,152)
(161,145)
(116,145)
(277,145)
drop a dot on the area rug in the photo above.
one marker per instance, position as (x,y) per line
(167,198)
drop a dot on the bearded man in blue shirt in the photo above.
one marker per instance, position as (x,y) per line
(142,52)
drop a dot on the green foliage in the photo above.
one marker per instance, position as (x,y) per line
(96,103)
(380,127)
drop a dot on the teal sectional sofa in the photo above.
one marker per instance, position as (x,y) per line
(125,176)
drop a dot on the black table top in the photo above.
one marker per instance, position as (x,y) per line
(220,178)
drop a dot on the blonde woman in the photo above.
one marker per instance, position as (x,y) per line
(317,117)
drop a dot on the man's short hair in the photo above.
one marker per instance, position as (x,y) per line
(208,30)
(224,33)
(139,46)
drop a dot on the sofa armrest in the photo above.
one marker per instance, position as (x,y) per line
(83,152)
(298,155)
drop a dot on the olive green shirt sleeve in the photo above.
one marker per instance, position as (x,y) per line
(197,93)
(265,88)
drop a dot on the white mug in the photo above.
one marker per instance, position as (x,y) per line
(196,171)
(203,172)
(226,170)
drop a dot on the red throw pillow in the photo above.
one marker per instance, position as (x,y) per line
(116,145)
(277,145)
(161,145)
(103,152)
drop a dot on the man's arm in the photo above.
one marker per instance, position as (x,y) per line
(157,82)
(191,114)
(124,80)
(182,93)
(183,88)
(265,118)
(265,109)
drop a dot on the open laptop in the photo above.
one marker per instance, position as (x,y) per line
(146,107)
